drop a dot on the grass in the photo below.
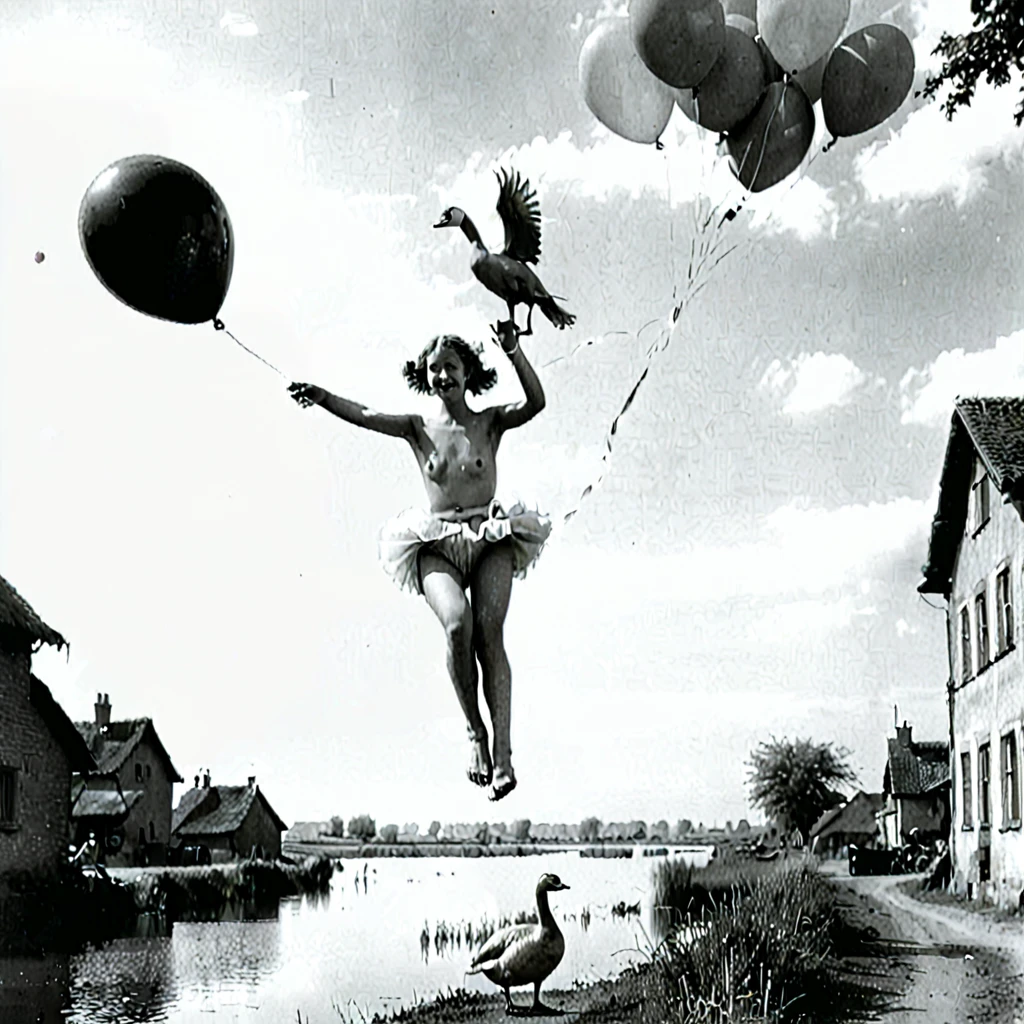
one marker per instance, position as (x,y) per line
(753,941)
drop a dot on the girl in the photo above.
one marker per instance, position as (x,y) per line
(465,540)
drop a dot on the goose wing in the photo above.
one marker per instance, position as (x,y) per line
(520,213)
(500,942)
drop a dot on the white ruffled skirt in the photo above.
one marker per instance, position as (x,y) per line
(402,539)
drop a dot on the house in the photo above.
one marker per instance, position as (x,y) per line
(915,788)
(233,821)
(852,823)
(39,750)
(976,563)
(128,800)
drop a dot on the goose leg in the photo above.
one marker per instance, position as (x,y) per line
(510,1008)
(539,1009)
(529,322)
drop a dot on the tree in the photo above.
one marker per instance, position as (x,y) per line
(590,829)
(994,48)
(660,830)
(337,826)
(362,827)
(435,827)
(682,828)
(794,782)
(389,834)
(521,829)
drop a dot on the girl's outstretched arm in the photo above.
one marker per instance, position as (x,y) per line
(352,412)
(515,415)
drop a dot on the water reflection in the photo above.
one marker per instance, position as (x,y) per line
(34,990)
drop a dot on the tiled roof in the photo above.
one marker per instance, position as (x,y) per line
(916,769)
(113,747)
(104,803)
(994,428)
(189,802)
(61,727)
(857,815)
(18,617)
(226,815)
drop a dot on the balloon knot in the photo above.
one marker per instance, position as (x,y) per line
(218,324)
(659,145)
(830,144)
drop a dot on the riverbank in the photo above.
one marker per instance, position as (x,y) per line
(348,849)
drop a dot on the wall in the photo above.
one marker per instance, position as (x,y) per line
(39,842)
(989,705)
(258,829)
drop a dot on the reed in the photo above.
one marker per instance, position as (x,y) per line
(767,949)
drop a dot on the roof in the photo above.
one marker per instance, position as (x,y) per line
(994,429)
(223,809)
(61,727)
(104,803)
(916,768)
(117,743)
(857,815)
(18,618)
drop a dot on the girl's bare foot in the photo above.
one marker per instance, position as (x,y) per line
(480,770)
(504,783)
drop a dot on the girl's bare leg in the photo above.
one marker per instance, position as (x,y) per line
(442,587)
(491,589)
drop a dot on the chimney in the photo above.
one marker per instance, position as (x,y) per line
(903,734)
(252,781)
(102,709)
(197,782)
(206,780)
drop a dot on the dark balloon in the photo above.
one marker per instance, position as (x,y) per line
(771,143)
(159,238)
(733,87)
(679,40)
(866,79)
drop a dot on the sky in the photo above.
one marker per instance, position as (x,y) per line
(746,566)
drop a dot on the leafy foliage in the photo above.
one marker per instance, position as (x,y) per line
(993,48)
(362,827)
(521,829)
(590,829)
(794,781)
(389,834)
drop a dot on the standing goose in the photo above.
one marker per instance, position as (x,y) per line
(506,273)
(525,954)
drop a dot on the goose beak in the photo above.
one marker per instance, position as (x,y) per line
(562,886)
(443,224)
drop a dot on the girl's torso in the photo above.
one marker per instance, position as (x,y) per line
(458,462)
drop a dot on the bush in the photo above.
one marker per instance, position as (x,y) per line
(362,827)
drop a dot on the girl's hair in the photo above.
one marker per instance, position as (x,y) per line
(478,377)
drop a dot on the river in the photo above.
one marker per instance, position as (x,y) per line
(368,946)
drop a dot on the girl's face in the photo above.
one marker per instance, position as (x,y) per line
(446,374)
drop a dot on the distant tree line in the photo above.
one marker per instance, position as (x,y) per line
(364,827)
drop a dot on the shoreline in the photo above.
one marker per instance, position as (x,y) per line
(345,849)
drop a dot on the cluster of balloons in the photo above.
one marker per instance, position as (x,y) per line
(159,238)
(751,70)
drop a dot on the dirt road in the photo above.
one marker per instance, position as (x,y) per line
(938,964)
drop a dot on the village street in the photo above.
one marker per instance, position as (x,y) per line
(942,963)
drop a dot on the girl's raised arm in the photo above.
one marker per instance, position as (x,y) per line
(352,412)
(515,415)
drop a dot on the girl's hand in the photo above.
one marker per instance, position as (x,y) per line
(506,334)
(307,394)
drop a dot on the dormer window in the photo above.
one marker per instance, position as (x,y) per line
(979,501)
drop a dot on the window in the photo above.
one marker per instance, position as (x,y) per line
(984,793)
(149,771)
(142,837)
(138,772)
(1011,780)
(152,832)
(981,614)
(8,796)
(1004,601)
(980,502)
(967,817)
(965,644)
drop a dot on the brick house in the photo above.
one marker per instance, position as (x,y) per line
(39,750)
(976,563)
(233,821)
(916,789)
(131,795)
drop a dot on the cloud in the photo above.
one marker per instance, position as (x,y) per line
(927,395)
(813,382)
(605,168)
(796,553)
(236,24)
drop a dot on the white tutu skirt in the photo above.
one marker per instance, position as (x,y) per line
(402,539)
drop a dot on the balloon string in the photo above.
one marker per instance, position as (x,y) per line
(218,325)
